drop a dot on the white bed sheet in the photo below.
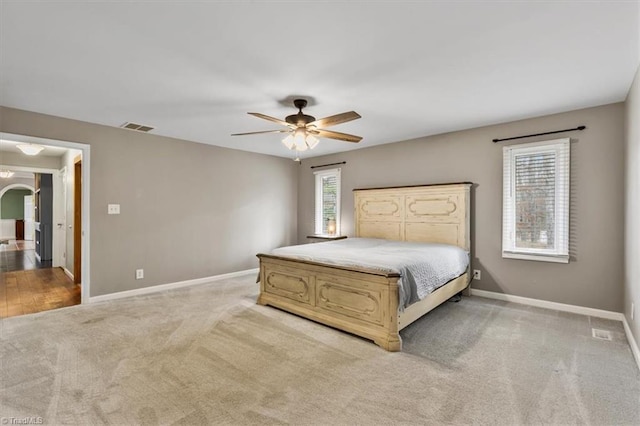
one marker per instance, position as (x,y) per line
(423,267)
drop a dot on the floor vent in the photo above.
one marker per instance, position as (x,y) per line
(138,127)
(601,334)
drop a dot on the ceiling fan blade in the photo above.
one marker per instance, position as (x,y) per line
(275,120)
(336,135)
(264,131)
(335,119)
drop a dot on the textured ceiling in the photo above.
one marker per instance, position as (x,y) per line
(193,69)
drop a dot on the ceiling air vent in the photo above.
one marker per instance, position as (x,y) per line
(136,126)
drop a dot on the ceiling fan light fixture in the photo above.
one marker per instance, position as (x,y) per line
(300,139)
(312,141)
(303,131)
(288,142)
(30,148)
(6,174)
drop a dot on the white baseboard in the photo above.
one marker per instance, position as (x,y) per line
(169,286)
(581,310)
(632,341)
(68,273)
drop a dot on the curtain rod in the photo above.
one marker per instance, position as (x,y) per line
(541,134)
(330,164)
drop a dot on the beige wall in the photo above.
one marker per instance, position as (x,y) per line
(40,161)
(632,217)
(187,210)
(593,278)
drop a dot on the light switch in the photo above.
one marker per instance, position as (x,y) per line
(113,209)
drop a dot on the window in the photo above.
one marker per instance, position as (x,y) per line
(328,202)
(535,211)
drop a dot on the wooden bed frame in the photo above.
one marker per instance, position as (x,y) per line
(363,301)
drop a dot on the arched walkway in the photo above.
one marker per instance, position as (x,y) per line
(4,191)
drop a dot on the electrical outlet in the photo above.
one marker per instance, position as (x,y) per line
(476,274)
(139,274)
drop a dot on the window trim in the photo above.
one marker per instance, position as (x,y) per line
(560,253)
(318,198)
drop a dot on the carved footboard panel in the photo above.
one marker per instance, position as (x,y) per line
(361,302)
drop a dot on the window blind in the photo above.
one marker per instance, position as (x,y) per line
(536,201)
(327,208)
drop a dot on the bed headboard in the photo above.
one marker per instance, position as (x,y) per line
(428,213)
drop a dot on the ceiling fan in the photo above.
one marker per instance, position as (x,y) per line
(304,130)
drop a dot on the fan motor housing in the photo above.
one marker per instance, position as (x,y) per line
(299,119)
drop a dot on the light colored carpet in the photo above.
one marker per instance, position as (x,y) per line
(209,355)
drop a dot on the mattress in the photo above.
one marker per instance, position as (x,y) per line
(423,267)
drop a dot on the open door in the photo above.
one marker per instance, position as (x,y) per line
(59,233)
(29,222)
(77,220)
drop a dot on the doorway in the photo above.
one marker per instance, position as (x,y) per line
(70,222)
(17,248)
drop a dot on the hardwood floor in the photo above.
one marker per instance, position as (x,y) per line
(21,260)
(36,290)
(19,255)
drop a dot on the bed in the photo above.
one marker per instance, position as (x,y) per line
(365,300)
